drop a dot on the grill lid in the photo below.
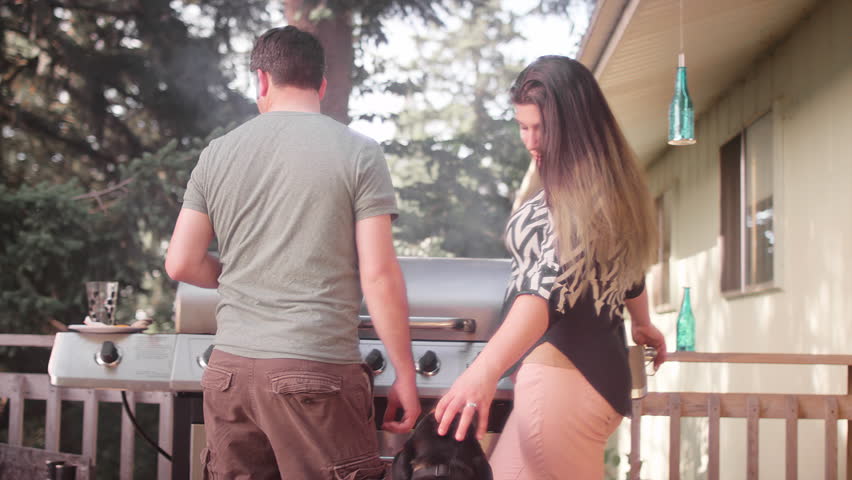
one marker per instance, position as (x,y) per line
(448,299)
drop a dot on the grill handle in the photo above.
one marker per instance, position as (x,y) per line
(430,323)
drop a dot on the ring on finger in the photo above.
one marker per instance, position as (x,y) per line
(470,404)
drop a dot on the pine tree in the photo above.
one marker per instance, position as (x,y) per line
(458,154)
(87,86)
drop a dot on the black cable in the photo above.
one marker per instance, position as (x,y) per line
(139,429)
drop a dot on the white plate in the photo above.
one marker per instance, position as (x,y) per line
(104,329)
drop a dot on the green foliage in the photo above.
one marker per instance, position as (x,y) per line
(611,462)
(89,85)
(88,90)
(458,158)
(53,238)
(44,242)
(371,14)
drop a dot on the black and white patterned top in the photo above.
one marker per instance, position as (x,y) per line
(586,325)
(531,239)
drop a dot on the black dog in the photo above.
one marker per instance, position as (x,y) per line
(429,456)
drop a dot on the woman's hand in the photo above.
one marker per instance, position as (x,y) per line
(651,336)
(644,332)
(471,394)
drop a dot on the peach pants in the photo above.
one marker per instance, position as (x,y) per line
(558,427)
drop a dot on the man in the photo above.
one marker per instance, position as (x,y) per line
(301,207)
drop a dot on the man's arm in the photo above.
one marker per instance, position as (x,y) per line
(187,259)
(384,291)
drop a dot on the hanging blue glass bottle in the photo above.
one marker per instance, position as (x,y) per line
(685,325)
(681,113)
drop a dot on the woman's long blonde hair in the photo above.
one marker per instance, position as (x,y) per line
(595,191)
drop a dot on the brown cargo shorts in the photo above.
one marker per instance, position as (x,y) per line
(288,419)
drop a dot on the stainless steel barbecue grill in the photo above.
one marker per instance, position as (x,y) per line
(455,307)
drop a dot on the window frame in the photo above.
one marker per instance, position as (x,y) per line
(662,301)
(778,218)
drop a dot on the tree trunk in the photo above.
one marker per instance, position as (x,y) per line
(335,35)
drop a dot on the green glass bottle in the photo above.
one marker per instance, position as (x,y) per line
(686,325)
(681,113)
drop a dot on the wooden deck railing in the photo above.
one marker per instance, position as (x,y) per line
(752,407)
(18,387)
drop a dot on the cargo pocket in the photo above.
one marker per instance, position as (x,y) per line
(309,386)
(206,474)
(364,467)
(368,395)
(216,378)
(366,399)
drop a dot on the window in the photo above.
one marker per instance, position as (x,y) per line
(748,217)
(660,272)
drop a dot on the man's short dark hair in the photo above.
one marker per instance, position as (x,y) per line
(291,56)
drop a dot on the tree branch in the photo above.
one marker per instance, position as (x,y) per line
(122,128)
(38,124)
(9,77)
(93,9)
(99,194)
(57,324)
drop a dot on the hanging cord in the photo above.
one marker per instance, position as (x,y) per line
(681,58)
(681,26)
(139,429)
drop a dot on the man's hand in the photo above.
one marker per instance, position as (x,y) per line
(402,394)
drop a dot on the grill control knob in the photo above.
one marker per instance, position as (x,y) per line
(108,356)
(428,365)
(204,358)
(376,361)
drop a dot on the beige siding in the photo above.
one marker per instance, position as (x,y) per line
(806,81)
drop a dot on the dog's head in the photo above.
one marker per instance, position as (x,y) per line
(429,456)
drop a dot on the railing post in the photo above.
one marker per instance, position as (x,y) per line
(714,411)
(16,412)
(635,439)
(164,466)
(674,436)
(128,439)
(753,435)
(90,425)
(831,439)
(792,438)
(52,419)
(849,426)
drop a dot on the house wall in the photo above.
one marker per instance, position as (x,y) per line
(806,81)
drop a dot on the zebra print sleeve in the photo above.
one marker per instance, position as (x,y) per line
(531,241)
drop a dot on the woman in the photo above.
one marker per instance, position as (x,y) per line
(580,248)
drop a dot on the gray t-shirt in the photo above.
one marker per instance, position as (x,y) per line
(283,192)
